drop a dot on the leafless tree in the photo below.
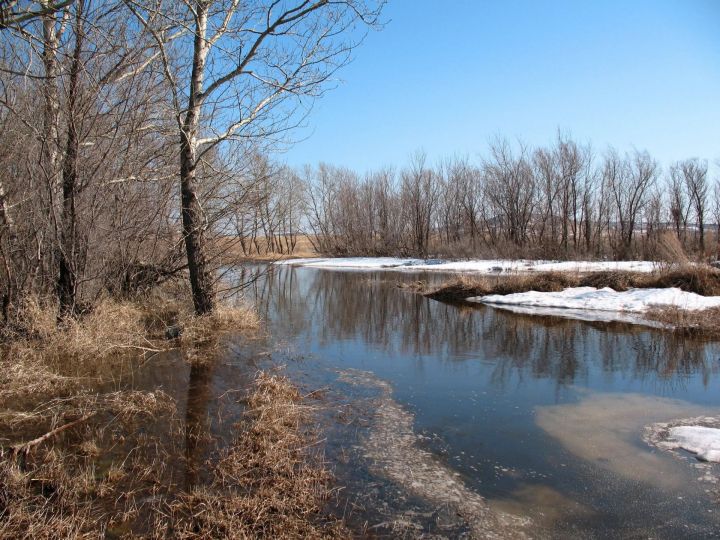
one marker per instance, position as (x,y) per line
(694,172)
(237,71)
(510,189)
(628,179)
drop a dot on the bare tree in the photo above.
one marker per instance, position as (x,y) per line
(418,193)
(679,207)
(694,173)
(510,188)
(236,71)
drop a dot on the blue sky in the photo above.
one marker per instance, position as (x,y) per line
(447,76)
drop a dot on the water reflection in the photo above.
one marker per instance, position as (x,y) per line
(543,415)
(196,421)
(334,306)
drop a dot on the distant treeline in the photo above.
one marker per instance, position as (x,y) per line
(558,201)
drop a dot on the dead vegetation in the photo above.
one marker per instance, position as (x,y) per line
(84,455)
(703,280)
(115,470)
(42,357)
(270,484)
(703,324)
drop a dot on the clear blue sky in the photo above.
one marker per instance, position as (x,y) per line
(447,76)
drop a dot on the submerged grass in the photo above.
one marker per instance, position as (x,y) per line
(270,484)
(83,457)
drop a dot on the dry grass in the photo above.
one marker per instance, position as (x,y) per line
(64,486)
(270,484)
(699,279)
(81,459)
(458,289)
(704,323)
(41,356)
(80,462)
(232,251)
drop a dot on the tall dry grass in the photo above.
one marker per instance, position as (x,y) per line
(80,456)
(271,483)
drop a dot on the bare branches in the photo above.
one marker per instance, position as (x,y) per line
(18,13)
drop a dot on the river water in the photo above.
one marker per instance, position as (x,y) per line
(441,418)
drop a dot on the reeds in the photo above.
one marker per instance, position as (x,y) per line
(79,460)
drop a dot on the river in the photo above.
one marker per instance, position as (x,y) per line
(452,421)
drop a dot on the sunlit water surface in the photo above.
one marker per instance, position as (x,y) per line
(543,417)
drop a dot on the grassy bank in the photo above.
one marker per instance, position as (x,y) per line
(703,280)
(84,455)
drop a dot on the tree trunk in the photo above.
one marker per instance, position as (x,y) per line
(50,135)
(193,228)
(67,254)
(193,224)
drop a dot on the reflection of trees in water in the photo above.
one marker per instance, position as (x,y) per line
(363,306)
(197,427)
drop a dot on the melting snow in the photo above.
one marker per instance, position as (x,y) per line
(702,441)
(488,266)
(607,299)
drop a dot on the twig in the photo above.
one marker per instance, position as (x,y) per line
(26,447)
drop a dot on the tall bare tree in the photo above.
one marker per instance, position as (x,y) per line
(694,172)
(238,71)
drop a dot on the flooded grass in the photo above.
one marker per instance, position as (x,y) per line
(271,483)
(85,455)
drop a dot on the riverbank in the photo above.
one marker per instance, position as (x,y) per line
(87,453)
(661,298)
(702,280)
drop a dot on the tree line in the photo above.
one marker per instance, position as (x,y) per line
(134,136)
(557,201)
(136,139)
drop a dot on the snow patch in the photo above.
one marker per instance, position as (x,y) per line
(702,441)
(482,266)
(606,299)
(699,436)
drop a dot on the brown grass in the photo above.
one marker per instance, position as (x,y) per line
(458,289)
(704,323)
(270,484)
(699,279)
(81,459)
(232,251)
(41,358)
(65,487)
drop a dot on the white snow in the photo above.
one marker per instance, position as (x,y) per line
(483,266)
(585,315)
(607,299)
(700,440)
